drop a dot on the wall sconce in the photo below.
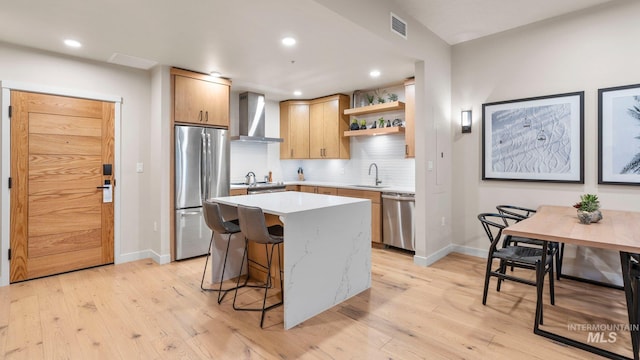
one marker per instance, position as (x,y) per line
(465,121)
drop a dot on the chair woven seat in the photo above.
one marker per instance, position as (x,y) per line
(523,254)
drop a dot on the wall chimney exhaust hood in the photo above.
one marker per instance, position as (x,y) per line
(251,116)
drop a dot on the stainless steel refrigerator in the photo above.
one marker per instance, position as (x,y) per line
(202,172)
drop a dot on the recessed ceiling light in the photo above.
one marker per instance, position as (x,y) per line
(72,43)
(288,41)
(374,73)
(297,93)
(215,74)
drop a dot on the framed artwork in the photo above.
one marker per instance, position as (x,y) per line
(619,135)
(534,139)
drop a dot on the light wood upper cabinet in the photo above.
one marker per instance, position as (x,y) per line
(409,118)
(200,99)
(314,129)
(294,130)
(327,125)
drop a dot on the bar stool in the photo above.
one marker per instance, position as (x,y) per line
(215,222)
(253,227)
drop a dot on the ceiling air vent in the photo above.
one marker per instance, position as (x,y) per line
(398,26)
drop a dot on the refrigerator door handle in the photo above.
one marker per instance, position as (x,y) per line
(208,170)
(203,167)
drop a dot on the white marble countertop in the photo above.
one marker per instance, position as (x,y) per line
(287,202)
(381,188)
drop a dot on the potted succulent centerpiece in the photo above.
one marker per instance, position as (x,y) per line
(588,209)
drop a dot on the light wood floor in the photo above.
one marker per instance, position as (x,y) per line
(142,310)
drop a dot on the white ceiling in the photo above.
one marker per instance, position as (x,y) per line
(456,21)
(241,39)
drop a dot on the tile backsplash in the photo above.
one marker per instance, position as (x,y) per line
(386,151)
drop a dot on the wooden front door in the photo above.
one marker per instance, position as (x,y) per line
(59,221)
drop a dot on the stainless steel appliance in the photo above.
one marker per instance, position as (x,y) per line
(262,188)
(251,119)
(201,172)
(397,220)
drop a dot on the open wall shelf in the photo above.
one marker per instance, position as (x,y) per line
(370,109)
(377,131)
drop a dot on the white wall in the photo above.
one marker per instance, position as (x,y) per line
(42,68)
(585,51)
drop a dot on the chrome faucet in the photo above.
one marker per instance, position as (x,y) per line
(249,178)
(378,182)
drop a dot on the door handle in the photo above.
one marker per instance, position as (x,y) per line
(102,187)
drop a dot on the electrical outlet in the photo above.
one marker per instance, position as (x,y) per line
(155,226)
(139,167)
(442,222)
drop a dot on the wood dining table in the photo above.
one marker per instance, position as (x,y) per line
(618,230)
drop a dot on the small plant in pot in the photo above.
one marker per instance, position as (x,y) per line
(370,98)
(588,209)
(354,124)
(363,124)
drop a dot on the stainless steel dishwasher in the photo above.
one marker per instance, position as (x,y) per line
(397,220)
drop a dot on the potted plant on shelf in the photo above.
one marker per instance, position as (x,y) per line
(363,124)
(392,97)
(354,124)
(370,98)
(588,209)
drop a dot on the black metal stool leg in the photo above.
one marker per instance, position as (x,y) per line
(206,262)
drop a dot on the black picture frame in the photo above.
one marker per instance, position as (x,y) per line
(619,135)
(534,139)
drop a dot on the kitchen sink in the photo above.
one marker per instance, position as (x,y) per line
(370,186)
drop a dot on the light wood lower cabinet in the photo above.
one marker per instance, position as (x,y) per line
(376,209)
(235,192)
(319,190)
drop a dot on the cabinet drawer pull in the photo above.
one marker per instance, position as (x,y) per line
(200,116)
(206,116)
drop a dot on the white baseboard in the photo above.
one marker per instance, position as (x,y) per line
(427,261)
(481,253)
(145,254)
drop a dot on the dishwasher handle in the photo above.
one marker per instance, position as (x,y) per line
(398,197)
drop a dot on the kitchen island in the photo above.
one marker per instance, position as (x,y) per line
(327,248)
